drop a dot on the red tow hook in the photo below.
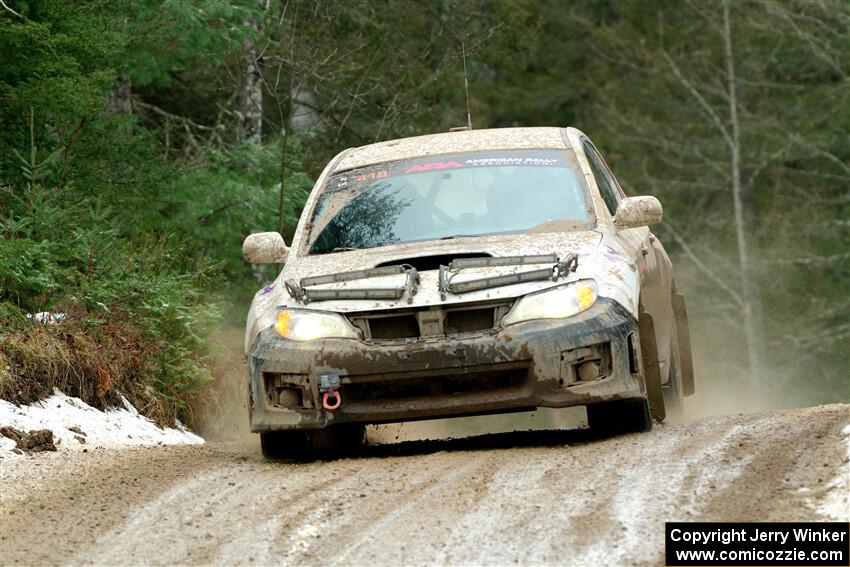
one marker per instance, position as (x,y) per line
(331,395)
(329,386)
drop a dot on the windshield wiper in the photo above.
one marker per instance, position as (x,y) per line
(300,291)
(558,268)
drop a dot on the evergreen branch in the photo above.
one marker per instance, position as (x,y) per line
(204,218)
(182,119)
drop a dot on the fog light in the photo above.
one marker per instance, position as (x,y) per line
(588,371)
(289,397)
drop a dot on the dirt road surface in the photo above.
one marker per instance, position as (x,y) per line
(544,498)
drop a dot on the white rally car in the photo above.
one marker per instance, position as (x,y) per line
(464,273)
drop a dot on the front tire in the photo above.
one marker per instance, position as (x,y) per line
(338,438)
(619,416)
(281,445)
(303,445)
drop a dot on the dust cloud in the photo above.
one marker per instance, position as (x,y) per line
(722,388)
(221,414)
(720,372)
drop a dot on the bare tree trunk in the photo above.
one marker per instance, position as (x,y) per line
(118,99)
(287,126)
(282,201)
(251,127)
(302,115)
(747,294)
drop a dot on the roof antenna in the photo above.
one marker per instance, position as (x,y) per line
(465,88)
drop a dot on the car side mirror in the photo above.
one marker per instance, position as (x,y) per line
(638,211)
(265,248)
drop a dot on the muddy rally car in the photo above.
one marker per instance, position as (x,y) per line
(464,273)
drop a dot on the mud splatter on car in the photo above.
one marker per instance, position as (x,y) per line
(465,273)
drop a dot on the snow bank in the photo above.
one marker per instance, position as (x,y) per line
(114,427)
(46,317)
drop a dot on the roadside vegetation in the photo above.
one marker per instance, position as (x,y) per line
(141,141)
(122,230)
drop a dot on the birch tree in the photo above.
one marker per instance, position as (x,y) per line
(736,115)
(250,126)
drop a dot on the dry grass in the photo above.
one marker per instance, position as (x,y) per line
(96,363)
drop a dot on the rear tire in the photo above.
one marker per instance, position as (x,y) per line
(619,416)
(651,367)
(683,337)
(673,398)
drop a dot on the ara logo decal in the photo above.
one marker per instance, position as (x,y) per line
(437,165)
(371,176)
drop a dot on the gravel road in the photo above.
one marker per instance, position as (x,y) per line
(534,498)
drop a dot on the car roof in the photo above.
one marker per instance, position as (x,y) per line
(453,142)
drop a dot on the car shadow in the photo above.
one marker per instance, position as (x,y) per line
(485,442)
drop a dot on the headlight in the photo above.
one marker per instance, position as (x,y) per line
(306,325)
(563,301)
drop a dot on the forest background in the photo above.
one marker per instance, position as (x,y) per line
(142,140)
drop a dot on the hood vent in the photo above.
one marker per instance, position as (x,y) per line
(426,263)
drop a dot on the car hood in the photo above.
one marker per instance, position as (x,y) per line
(600,257)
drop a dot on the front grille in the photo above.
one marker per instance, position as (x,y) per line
(470,320)
(430,322)
(398,327)
(379,387)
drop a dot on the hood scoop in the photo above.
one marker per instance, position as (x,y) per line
(433,262)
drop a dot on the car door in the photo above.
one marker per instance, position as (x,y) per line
(653,264)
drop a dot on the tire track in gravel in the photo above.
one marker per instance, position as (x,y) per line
(341,516)
(778,467)
(226,515)
(534,498)
(393,522)
(50,505)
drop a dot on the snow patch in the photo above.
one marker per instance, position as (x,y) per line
(46,317)
(113,427)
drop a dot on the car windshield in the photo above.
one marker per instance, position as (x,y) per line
(449,196)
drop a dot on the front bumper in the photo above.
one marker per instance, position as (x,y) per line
(523,366)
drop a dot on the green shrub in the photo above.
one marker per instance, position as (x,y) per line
(134,323)
(145,279)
